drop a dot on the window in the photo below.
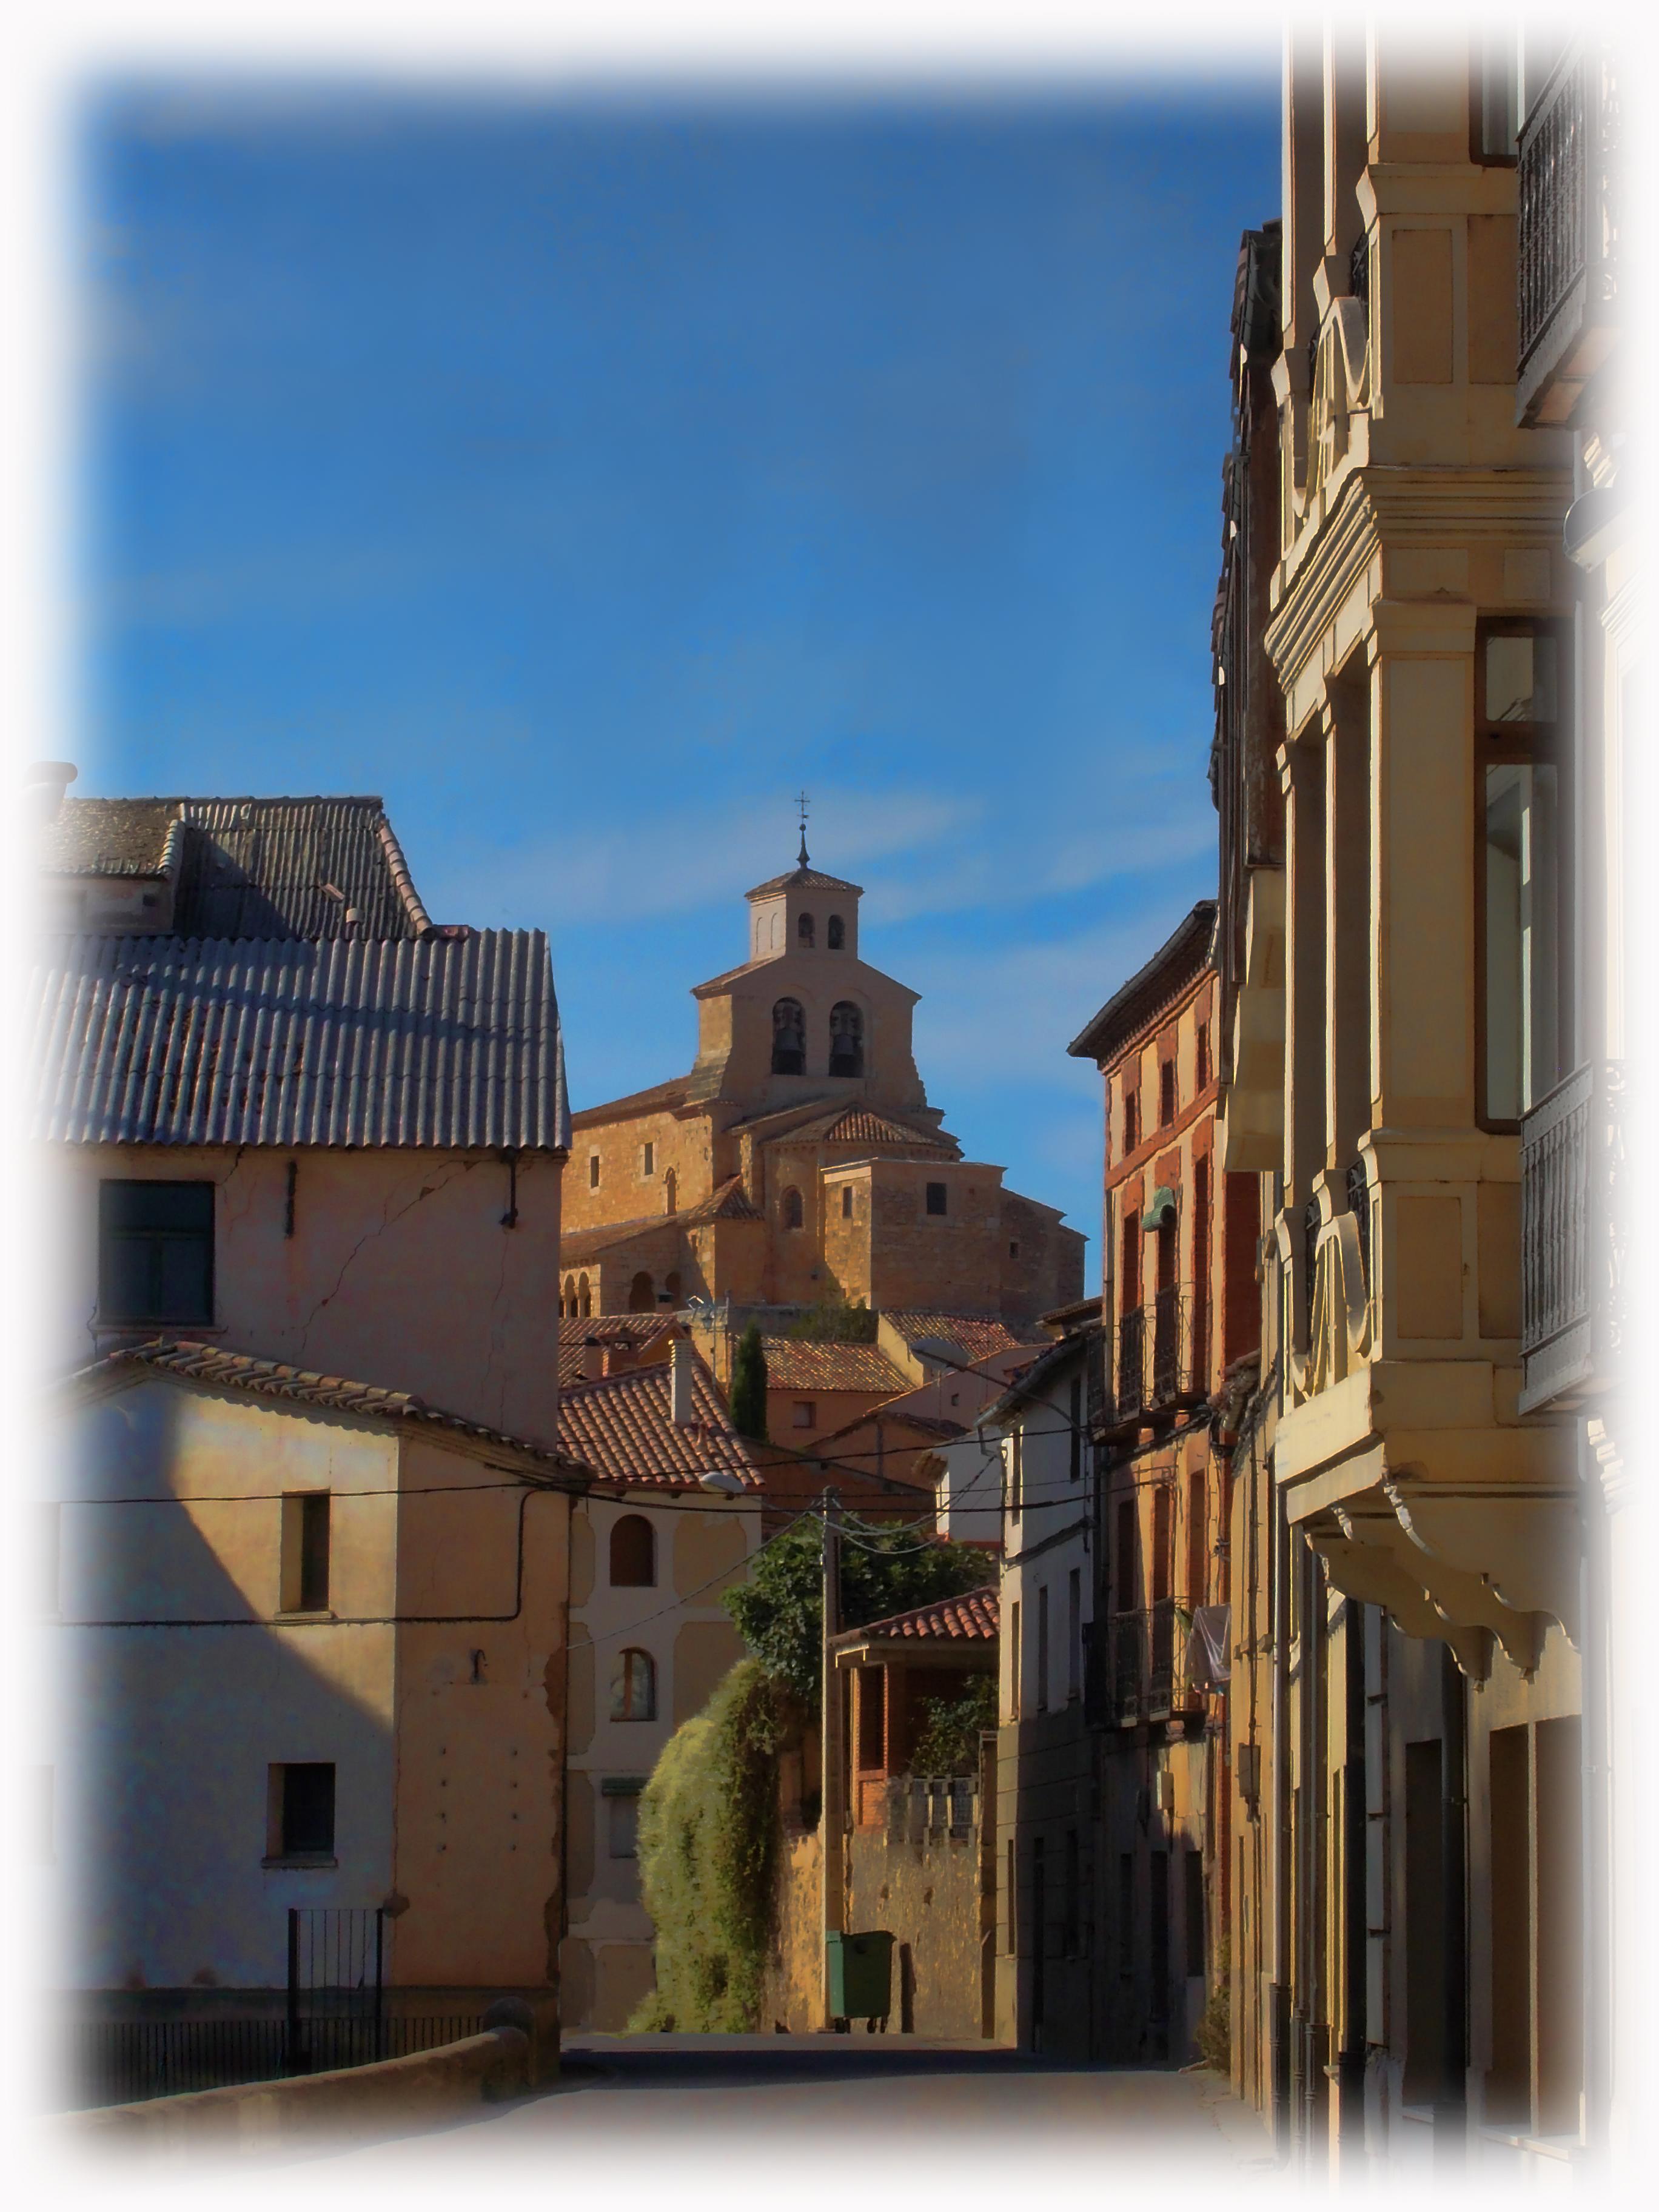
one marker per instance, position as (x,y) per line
(155,1252)
(788,1038)
(1131,1120)
(300,1815)
(567,1302)
(846,1039)
(1013,1249)
(305,1518)
(804,931)
(1494,118)
(1125,1555)
(1166,1093)
(1042,1650)
(1074,1634)
(937,1197)
(592,1171)
(1013,1661)
(1202,1074)
(648,1160)
(633,1553)
(1073,1932)
(794,1209)
(847,1201)
(634,1687)
(1519,688)
(1196,1547)
(838,935)
(587,1298)
(670,1293)
(670,1191)
(872,1718)
(1163,1521)
(621,1792)
(642,1294)
(806,1412)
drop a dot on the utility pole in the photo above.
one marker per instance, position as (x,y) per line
(831,1812)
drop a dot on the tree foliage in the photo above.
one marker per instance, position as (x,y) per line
(708,1846)
(779,1611)
(749,1385)
(835,1319)
(949,1742)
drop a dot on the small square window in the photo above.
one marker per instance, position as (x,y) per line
(299,1812)
(936,1197)
(806,1412)
(592,1171)
(155,1252)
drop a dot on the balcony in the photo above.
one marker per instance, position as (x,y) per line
(1572,1197)
(1149,1677)
(1130,1397)
(1568,242)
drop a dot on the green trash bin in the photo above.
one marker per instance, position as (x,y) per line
(860,1974)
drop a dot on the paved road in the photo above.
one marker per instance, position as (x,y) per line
(655,2098)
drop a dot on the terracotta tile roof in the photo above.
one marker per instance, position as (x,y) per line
(805,878)
(974,1618)
(659,1095)
(863,1124)
(217,1369)
(799,1364)
(728,1203)
(977,1335)
(638,1332)
(1177,964)
(620,1428)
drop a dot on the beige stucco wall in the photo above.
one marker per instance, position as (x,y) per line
(398,1273)
(185,1686)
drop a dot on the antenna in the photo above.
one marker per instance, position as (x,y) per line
(804,805)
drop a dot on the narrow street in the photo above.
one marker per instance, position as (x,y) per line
(653,2095)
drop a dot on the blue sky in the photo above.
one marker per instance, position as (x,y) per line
(587,477)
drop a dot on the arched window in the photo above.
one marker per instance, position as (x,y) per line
(567,1302)
(777,925)
(586,1292)
(788,1038)
(672,1285)
(837,937)
(633,1553)
(804,932)
(846,1039)
(671,1191)
(794,1213)
(634,1687)
(641,1294)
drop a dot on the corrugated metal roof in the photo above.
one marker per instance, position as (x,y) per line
(441,1041)
(316,867)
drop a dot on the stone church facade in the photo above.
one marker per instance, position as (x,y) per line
(799,1158)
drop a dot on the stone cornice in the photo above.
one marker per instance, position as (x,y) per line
(1382,505)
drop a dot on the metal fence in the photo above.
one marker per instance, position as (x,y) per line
(124,2061)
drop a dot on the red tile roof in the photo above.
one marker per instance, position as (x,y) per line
(727,1203)
(974,1618)
(620,1428)
(660,1097)
(800,1364)
(217,1369)
(979,1335)
(636,1332)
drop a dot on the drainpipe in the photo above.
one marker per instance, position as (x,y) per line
(1450,2119)
(1351,2062)
(1278,2026)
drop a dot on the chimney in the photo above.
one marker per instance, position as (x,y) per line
(618,1358)
(592,1359)
(680,1411)
(44,783)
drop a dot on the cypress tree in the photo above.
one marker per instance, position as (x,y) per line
(749,1386)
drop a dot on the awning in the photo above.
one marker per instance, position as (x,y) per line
(1162,1209)
(1209,1664)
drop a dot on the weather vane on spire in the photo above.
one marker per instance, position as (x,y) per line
(805,804)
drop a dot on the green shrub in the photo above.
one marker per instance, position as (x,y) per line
(949,1743)
(708,1846)
(835,1319)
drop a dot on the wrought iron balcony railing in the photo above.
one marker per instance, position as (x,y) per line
(1172,1347)
(1128,1668)
(1572,1195)
(1149,1680)
(1568,241)
(1131,1394)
